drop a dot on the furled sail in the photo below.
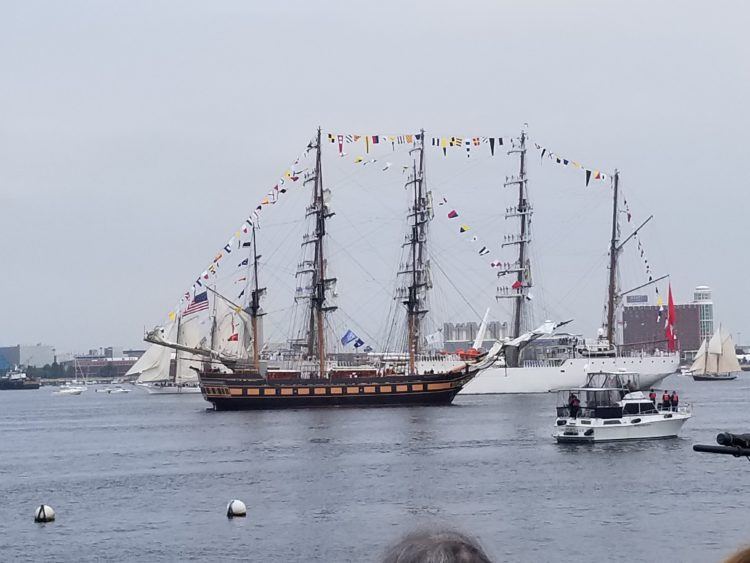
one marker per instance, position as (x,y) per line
(155,363)
(189,334)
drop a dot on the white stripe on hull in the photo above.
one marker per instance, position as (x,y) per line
(571,373)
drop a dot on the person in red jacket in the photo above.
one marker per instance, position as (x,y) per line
(666,402)
(675,400)
(652,396)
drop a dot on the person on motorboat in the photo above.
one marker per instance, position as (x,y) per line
(666,401)
(652,396)
(674,399)
(574,404)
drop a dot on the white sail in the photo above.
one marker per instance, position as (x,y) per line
(189,335)
(714,345)
(480,333)
(728,362)
(155,363)
(699,363)
(232,333)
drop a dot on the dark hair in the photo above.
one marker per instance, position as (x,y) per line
(436,546)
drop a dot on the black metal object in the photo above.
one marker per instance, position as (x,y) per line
(737,445)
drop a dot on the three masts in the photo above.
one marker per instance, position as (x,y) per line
(310,377)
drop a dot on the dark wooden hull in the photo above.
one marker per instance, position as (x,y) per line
(723,377)
(239,392)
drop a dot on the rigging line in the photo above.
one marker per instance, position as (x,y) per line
(597,264)
(439,267)
(357,262)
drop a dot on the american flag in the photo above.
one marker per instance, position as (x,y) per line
(199,303)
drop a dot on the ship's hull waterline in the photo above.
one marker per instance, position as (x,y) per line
(235,393)
(569,374)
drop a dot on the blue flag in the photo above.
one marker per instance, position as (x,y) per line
(348,337)
(359,343)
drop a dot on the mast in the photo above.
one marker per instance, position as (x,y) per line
(522,267)
(415,302)
(254,308)
(613,254)
(317,267)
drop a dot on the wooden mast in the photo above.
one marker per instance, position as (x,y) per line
(254,308)
(318,308)
(613,252)
(416,241)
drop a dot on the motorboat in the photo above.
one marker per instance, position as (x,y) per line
(68,389)
(608,409)
(113,390)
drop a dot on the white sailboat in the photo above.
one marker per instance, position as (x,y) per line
(155,369)
(716,359)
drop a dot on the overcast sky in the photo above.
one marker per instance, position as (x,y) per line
(136,136)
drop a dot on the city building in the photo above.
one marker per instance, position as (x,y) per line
(644,326)
(702,298)
(29,356)
(103,363)
(461,336)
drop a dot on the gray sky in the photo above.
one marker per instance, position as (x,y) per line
(136,136)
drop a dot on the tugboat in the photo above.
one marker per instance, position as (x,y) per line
(608,409)
(17,380)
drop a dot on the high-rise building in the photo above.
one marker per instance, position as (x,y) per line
(702,298)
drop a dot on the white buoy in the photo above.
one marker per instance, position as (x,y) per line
(44,514)
(236,508)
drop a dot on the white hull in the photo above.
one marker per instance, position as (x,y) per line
(638,427)
(172,389)
(70,391)
(570,374)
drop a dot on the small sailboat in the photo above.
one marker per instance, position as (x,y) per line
(716,359)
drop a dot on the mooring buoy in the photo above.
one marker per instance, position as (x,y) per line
(236,508)
(44,514)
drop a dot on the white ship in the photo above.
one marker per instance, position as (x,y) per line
(561,361)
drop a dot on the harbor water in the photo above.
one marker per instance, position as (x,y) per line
(139,477)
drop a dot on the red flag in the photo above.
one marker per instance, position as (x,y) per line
(671,318)
(452,214)
(234,338)
(516,285)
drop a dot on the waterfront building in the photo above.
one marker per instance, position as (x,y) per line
(36,356)
(702,297)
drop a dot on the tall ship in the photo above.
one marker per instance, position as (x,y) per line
(17,380)
(235,374)
(560,361)
(716,359)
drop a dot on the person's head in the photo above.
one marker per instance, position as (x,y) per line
(652,390)
(742,556)
(436,546)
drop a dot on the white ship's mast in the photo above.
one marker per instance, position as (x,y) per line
(519,292)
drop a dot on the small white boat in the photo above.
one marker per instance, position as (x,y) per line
(70,390)
(113,390)
(605,410)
